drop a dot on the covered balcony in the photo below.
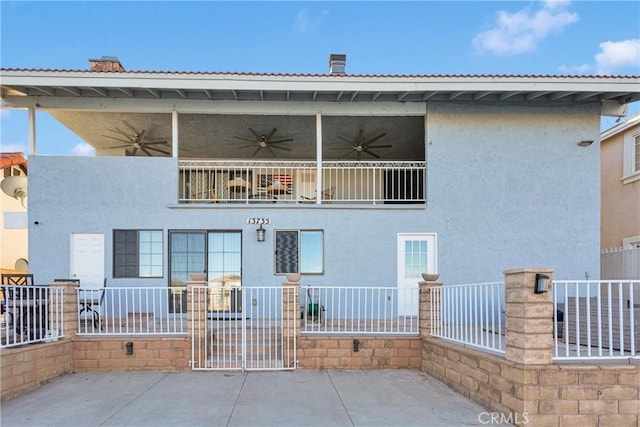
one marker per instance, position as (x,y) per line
(302,182)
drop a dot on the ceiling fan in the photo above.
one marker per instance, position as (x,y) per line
(361,144)
(264,141)
(137,141)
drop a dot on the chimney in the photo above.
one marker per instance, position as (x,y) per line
(337,63)
(108,64)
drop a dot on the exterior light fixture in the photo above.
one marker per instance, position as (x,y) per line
(585,143)
(129,346)
(260,233)
(542,284)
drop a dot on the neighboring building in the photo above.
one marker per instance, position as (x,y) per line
(14,253)
(357,179)
(620,189)
(620,170)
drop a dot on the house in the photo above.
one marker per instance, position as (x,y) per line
(347,179)
(620,165)
(13,230)
(620,210)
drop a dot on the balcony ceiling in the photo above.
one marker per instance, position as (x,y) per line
(214,107)
(213,136)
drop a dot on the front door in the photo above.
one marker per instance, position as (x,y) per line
(87,259)
(416,255)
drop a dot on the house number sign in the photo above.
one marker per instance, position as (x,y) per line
(259,221)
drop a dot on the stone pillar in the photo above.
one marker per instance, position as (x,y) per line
(529,318)
(290,321)
(425,306)
(197,320)
(70,309)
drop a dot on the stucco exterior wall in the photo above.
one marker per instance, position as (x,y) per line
(497,177)
(620,201)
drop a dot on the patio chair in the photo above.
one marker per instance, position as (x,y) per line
(18,302)
(326,194)
(92,303)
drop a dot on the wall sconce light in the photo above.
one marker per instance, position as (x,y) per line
(356,345)
(542,284)
(129,346)
(260,233)
(585,143)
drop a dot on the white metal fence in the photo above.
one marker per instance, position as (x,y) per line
(258,335)
(294,182)
(471,314)
(620,264)
(132,311)
(596,319)
(30,314)
(359,310)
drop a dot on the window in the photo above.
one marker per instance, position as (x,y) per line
(137,253)
(299,251)
(637,154)
(631,160)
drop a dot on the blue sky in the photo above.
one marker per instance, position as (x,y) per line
(418,37)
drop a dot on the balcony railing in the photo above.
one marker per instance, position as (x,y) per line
(295,182)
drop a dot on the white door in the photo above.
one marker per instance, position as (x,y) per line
(87,259)
(416,255)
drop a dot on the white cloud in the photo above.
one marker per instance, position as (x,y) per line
(303,22)
(521,31)
(13,148)
(618,55)
(575,69)
(83,149)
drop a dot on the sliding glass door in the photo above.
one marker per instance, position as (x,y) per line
(216,253)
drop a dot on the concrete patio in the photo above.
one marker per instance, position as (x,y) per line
(292,398)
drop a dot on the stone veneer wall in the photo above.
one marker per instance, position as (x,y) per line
(326,352)
(149,354)
(605,394)
(25,368)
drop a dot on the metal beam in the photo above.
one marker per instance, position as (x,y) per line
(127,92)
(45,91)
(481,95)
(99,91)
(507,95)
(154,92)
(72,91)
(535,95)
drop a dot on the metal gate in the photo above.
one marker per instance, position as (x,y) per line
(247,328)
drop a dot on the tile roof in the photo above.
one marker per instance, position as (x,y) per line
(12,159)
(337,76)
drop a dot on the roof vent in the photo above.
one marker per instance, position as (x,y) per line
(337,63)
(106,64)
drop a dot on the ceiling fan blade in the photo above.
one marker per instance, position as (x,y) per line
(254,133)
(246,146)
(245,139)
(123,133)
(340,148)
(145,151)
(271,151)
(135,150)
(379,146)
(359,154)
(375,138)
(360,132)
(371,153)
(278,148)
(156,149)
(155,142)
(281,140)
(256,152)
(348,141)
(273,131)
(344,156)
(141,135)
(118,139)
